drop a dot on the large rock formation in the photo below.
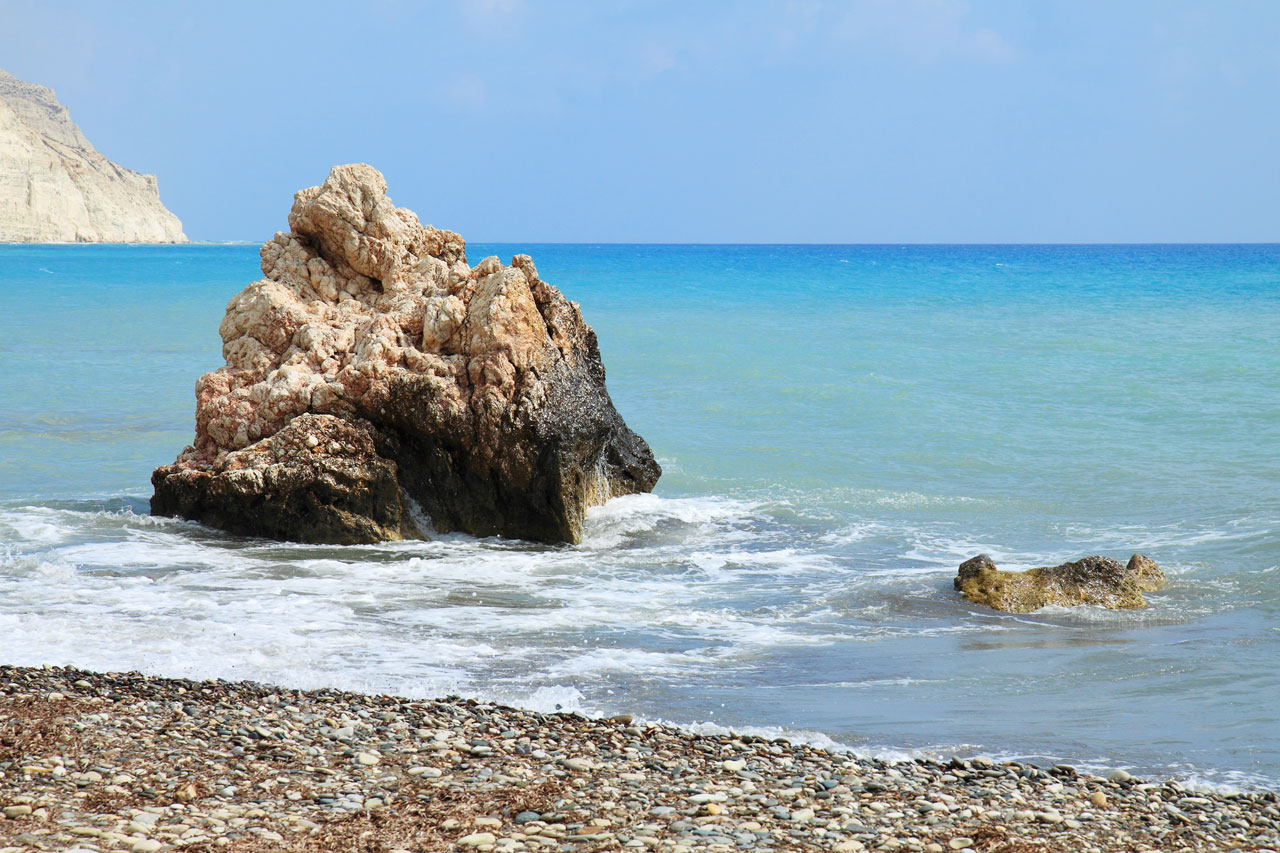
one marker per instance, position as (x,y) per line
(373,356)
(1091,580)
(55,188)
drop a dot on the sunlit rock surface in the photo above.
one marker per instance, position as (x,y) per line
(480,387)
(1100,581)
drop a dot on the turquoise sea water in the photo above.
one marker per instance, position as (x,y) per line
(840,427)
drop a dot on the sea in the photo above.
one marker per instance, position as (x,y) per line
(839,428)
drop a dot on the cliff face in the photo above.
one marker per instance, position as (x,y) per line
(55,188)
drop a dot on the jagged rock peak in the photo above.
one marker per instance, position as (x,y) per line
(481,387)
(55,188)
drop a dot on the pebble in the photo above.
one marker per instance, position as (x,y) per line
(426,772)
(169,764)
(475,839)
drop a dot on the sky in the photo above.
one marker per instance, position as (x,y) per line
(766,121)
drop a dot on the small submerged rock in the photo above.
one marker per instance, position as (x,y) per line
(372,362)
(1099,581)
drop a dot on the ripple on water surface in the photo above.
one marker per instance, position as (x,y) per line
(726,611)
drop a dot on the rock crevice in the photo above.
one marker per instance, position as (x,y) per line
(482,387)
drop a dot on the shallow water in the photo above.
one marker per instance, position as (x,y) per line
(840,427)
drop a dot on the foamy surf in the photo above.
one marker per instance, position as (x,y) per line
(667,604)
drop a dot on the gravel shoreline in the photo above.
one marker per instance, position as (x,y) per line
(97,762)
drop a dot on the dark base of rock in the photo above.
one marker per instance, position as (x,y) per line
(319,480)
(326,480)
(551,466)
(1100,581)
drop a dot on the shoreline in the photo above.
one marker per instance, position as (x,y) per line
(92,761)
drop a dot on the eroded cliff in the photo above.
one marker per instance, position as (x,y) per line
(56,188)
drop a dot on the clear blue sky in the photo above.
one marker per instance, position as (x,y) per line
(856,121)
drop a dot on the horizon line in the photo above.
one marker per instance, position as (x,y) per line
(508,242)
(901,244)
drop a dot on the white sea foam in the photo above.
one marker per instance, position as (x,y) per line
(32,524)
(857,532)
(821,740)
(881,682)
(549,700)
(1226,783)
(949,550)
(1174,535)
(662,593)
(637,661)
(623,519)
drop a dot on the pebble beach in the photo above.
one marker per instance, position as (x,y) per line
(660,427)
(95,762)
